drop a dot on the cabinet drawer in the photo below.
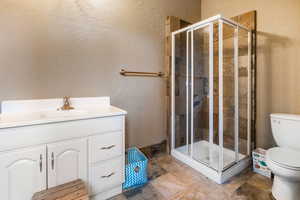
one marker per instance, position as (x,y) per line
(106,175)
(106,146)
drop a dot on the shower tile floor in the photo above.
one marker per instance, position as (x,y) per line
(173,180)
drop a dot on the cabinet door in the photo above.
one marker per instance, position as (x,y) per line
(67,161)
(22,173)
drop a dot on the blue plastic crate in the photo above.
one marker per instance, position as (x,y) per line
(135,168)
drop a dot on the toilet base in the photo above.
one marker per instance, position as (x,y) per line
(285,189)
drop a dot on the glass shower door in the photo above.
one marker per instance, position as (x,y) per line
(229,99)
(200,95)
(181,138)
(244,93)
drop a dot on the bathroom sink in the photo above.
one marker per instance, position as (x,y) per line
(62,113)
(42,115)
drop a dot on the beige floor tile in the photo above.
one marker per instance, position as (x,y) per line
(188,176)
(178,181)
(119,197)
(169,186)
(260,182)
(250,192)
(170,164)
(192,195)
(150,193)
(237,181)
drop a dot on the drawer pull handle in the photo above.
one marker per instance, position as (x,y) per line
(111,174)
(109,147)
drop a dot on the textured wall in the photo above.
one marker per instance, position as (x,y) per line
(53,48)
(278,59)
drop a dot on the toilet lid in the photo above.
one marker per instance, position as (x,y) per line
(285,157)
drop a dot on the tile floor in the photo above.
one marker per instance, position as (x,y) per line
(173,180)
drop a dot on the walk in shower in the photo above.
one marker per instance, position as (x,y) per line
(211,97)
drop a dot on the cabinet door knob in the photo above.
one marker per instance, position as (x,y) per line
(41,162)
(52,161)
(107,176)
(109,147)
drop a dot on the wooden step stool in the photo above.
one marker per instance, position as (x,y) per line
(75,190)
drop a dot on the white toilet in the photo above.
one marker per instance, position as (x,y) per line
(284,161)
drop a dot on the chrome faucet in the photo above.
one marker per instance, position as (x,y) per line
(67,105)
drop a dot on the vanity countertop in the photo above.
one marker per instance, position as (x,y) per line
(44,116)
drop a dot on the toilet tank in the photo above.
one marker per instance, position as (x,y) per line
(286,130)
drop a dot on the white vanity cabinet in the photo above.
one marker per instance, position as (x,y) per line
(22,172)
(106,162)
(67,161)
(45,152)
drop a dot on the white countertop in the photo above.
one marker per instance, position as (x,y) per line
(42,111)
(10,120)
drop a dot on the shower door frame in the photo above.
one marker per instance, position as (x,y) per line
(216,174)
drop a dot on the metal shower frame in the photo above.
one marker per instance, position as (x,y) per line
(190,29)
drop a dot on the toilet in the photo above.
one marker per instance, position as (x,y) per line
(284,160)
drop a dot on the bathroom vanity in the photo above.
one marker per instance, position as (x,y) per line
(42,146)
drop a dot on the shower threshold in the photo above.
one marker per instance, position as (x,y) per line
(201,154)
(209,167)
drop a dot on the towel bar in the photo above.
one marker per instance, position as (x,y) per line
(148,74)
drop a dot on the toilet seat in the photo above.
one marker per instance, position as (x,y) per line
(285,157)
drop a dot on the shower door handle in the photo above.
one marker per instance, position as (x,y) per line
(52,161)
(41,163)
